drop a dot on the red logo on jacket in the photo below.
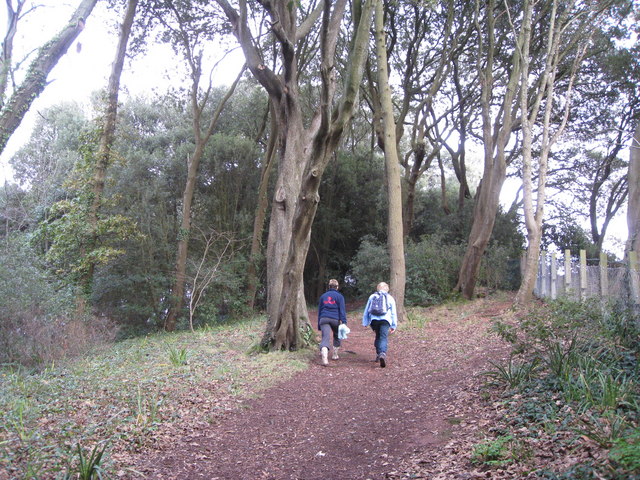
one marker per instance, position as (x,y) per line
(329,301)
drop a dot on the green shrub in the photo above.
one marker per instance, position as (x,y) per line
(26,286)
(586,384)
(37,321)
(224,298)
(495,452)
(178,357)
(87,467)
(499,269)
(432,270)
(621,323)
(513,374)
(370,265)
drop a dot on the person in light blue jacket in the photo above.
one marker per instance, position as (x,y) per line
(381,315)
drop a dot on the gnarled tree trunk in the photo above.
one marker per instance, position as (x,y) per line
(305,149)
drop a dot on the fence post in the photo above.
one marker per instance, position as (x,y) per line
(554,277)
(544,274)
(583,274)
(604,276)
(567,273)
(633,277)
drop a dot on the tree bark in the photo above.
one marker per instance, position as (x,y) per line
(36,80)
(633,205)
(533,220)
(395,236)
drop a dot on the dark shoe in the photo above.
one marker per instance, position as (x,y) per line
(383,360)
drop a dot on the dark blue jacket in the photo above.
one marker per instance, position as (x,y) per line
(331,305)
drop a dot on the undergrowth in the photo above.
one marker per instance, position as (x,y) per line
(74,420)
(572,381)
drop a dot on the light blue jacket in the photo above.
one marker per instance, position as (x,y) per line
(391,316)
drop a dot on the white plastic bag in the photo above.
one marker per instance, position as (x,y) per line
(343,331)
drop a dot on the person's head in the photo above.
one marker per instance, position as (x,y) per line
(382,287)
(333,283)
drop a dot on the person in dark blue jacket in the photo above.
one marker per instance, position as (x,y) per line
(331,313)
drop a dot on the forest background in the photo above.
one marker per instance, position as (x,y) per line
(196,197)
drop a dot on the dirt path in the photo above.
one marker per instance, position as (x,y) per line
(353,419)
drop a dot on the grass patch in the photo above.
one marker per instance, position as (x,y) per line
(454,420)
(513,374)
(626,452)
(497,452)
(123,394)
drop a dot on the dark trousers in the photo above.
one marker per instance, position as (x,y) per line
(381,327)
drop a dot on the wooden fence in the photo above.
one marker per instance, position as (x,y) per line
(572,277)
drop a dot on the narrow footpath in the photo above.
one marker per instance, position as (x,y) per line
(352,419)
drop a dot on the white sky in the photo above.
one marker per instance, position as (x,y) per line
(86,68)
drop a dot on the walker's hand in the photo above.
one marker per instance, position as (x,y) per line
(391,330)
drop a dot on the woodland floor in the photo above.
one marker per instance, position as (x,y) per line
(417,418)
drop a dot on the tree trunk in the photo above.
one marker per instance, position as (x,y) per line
(103,157)
(529,106)
(36,80)
(633,205)
(193,164)
(304,151)
(533,221)
(283,332)
(180,277)
(495,165)
(421,163)
(484,216)
(395,236)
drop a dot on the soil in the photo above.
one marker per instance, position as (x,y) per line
(416,418)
